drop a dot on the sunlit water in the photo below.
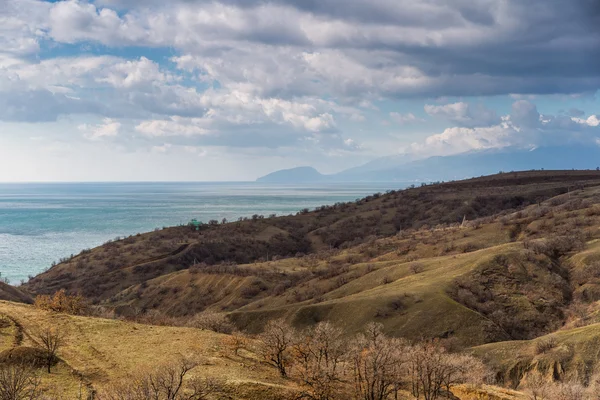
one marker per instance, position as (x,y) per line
(40,223)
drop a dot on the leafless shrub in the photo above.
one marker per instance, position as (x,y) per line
(50,340)
(319,359)
(545,345)
(212,321)
(19,382)
(566,391)
(236,342)
(376,364)
(536,387)
(557,246)
(167,382)
(275,344)
(62,303)
(416,268)
(386,280)
(432,371)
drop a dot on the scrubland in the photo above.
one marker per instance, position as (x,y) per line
(491,284)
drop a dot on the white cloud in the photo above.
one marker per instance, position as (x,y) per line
(291,74)
(460,139)
(525,127)
(592,120)
(176,126)
(21,26)
(107,129)
(72,73)
(128,74)
(73,21)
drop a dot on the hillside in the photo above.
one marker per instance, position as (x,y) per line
(11,293)
(98,356)
(403,258)
(98,353)
(504,267)
(405,168)
(293,175)
(102,273)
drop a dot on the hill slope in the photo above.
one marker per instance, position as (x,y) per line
(11,293)
(99,352)
(517,282)
(294,175)
(404,168)
(402,259)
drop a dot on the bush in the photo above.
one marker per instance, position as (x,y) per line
(416,268)
(545,345)
(557,246)
(62,303)
(167,382)
(19,382)
(212,321)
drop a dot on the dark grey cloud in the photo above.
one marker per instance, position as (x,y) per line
(462,47)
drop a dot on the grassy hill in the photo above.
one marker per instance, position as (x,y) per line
(11,293)
(104,272)
(570,353)
(500,265)
(98,352)
(471,283)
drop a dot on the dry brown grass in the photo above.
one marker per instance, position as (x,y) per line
(99,351)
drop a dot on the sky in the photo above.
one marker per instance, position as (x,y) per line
(136,90)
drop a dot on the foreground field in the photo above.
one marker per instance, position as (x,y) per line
(99,352)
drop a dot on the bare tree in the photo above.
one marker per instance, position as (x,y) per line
(536,386)
(236,341)
(319,356)
(50,340)
(275,343)
(168,382)
(377,363)
(432,371)
(19,382)
(568,390)
(212,321)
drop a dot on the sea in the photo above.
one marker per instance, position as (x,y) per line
(43,222)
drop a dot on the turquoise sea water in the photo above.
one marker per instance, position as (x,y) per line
(40,223)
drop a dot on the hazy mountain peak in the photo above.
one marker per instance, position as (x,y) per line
(293,175)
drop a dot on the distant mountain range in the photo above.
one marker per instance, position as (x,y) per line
(466,165)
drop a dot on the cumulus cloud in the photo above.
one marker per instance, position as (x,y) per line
(176,126)
(524,127)
(297,73)
(400,48)
(592,120)
(21,26)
